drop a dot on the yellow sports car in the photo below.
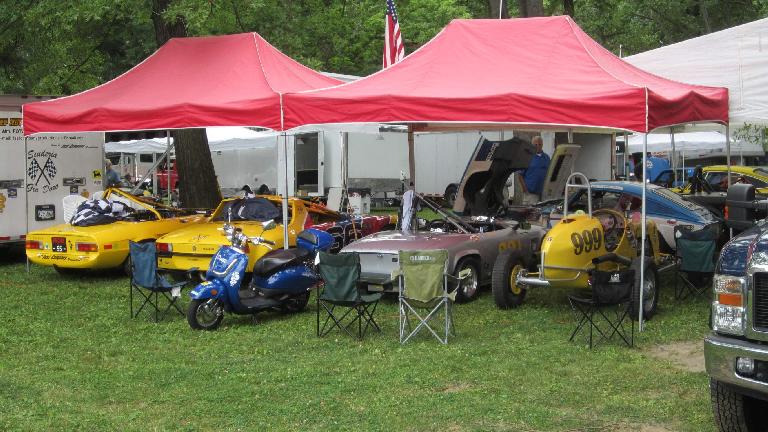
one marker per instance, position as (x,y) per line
(193,246)
(717,178)
(103,243)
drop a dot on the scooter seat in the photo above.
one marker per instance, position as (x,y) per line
(277,259)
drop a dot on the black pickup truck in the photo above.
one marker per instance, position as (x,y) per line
(736,351)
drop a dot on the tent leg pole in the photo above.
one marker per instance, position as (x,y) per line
(642,235)
(674,156)
(285,191)
(411,157)
(728,162)
(26,201)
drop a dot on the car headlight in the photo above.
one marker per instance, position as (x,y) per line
(728,304)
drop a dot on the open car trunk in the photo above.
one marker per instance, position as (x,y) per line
(482,191)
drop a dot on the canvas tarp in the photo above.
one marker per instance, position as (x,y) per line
(734,58)
(533,71)
(232,80)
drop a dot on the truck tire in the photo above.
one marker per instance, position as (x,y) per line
(735,412)
(650,287)
(506,294)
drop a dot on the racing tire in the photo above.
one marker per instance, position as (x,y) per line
(297,303)
(211,313)
(735,412)
(507,294)
(449,196)
(650,287)
(469,288)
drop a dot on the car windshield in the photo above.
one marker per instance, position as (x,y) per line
(251,209)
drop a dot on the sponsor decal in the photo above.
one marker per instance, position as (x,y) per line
(41,171)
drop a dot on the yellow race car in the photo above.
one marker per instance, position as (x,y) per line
(104,245)
(193,246)
(604,239)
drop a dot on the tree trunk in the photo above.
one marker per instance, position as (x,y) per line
(198,187)
(197,183)
(531,8)
(493,7)
(568,8)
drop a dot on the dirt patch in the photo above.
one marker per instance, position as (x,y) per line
(687,356)
(454,388)
(639,428)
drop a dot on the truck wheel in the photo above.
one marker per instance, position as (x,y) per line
(650,287)
(506,293)
(449,196)
(735,412)
(205,314)
(469,288)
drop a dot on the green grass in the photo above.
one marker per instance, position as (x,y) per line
(72,359)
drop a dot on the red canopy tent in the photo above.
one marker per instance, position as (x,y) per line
(516,71)
(233,80)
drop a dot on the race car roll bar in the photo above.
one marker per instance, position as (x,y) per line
(569,185)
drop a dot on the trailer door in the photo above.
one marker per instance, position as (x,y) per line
(308,164)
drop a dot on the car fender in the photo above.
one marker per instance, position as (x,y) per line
(213,289)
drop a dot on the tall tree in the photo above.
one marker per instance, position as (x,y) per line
(197,185)
(531,8)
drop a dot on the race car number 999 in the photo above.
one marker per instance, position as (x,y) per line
(587,241)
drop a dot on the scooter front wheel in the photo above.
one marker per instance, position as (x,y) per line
(205,314)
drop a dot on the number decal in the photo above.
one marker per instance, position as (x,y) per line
(587,241)
(597,237)
(578,243)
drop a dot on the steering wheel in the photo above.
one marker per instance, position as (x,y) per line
(612,234)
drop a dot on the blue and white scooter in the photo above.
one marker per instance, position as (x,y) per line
(282,278)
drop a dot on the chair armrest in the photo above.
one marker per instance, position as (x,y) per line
(190,272)
(462,275)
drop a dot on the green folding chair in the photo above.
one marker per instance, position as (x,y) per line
(342,290)
(696,256)
(424,294)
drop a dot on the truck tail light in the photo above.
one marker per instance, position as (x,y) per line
(33,244)
(87,247)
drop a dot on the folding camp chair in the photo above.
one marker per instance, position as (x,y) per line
(423,285)
(607,308)
(151,286)
(342,290)
(695,259)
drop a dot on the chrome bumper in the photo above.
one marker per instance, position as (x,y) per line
(720,353)
(532,281)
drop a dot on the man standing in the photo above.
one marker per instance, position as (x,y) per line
(112,178)
(537,169)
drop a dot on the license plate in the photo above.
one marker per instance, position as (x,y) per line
(59,244)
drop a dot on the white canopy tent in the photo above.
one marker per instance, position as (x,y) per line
(734,58)
(694,145)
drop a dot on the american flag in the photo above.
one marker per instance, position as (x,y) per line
(393,42)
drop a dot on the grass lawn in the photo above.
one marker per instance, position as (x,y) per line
(72,359)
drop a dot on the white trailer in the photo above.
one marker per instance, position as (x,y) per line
(33,180)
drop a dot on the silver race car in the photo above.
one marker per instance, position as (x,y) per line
(472,242)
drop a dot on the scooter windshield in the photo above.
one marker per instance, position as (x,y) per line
(250,209)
